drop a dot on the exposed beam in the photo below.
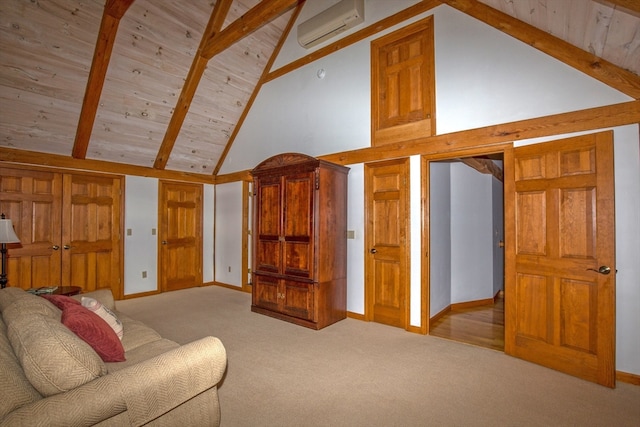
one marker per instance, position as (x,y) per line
(257,88)
(632,5)
(213,42)
(482,138)
(198,66)
(11,155)
(372,29)
(485,166)
(258,16)
(114,10)
(598,68)
(625,113)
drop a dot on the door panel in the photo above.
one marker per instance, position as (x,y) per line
(386,242)
(559,309)
(180,236)
(91,232)
(298,299)
(268,225)
(297,223)
(32,200)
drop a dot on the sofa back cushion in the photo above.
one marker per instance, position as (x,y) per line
(53,358)
(10,295)
(15,388)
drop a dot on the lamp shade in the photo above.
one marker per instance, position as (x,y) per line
(7,234)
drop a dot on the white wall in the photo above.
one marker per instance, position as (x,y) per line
(228,246)
(483,77)
(440,237)
(140,245)
(355,247)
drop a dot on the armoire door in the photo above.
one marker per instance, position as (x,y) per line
(180,255)
(297,224)
(560,263)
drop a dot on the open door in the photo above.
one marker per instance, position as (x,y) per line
(560,260)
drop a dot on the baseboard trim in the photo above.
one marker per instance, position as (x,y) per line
(441,313)
(357,316)
(625,377)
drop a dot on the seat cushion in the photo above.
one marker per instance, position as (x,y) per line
(53,358)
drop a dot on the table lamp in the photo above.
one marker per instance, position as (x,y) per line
(7,235)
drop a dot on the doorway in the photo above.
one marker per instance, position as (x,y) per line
(466,254)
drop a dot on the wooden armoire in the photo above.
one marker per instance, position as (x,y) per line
(299,240)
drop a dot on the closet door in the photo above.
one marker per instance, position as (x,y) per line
(32,200)
(91,232)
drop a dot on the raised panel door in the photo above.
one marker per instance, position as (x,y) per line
(32,200)
(268,225)
(560,301)
(297,212)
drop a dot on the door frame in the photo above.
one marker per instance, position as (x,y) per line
(425,269)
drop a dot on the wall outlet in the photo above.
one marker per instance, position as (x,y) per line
(351,234)
(129,232)
(144,274)
(153,231)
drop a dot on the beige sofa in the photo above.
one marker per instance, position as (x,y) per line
(50,377)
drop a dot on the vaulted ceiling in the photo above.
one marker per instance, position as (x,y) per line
(165,85)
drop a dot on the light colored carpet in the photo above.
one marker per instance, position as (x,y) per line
(357,373)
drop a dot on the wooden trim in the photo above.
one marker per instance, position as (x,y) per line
(140,294)
(357,316)
(246,283)
(410,12)
(228,286)
(113,12)
(576,121)
(257,88)
(470,304)
(598,68)
(233,177)
(626,377)
(31,158)
(441,313)
(197,69)
(425,239)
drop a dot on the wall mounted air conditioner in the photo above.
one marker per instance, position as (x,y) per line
(338,18)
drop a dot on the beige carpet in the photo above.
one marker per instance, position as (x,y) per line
(357,373)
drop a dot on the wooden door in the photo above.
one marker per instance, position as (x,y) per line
(387,242)
(180,263)
(91,232)
(560,310)
(33,202)
(403,84)
(268,225)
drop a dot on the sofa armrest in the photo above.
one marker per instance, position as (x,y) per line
(105,296)
(145,391)
(157,385)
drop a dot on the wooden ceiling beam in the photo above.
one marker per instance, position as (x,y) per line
(598,68)
(258,16)
(114,10)
(632,5)
(198,67)
(485,166)
(257,88)
(213,42)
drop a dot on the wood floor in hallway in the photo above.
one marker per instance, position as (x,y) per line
(482,326)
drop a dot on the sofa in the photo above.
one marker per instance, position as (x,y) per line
(52,375)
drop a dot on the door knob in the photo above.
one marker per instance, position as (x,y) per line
(67,247)
(55,247)
(373,250)
(164,242)
(602,270)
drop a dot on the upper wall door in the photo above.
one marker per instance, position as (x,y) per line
(403,84)
(180,264)
(560,266)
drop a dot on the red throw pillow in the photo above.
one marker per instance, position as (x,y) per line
(92,329)
(61,301)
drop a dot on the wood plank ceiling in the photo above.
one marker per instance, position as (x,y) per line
(164,84)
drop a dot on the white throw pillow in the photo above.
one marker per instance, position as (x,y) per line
(106,314)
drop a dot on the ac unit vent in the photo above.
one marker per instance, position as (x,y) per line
(338,18)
